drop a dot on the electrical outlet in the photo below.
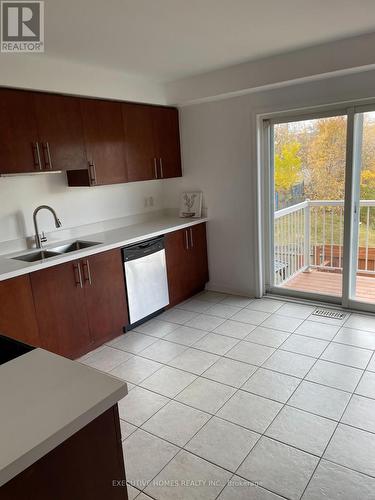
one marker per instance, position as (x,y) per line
(151,201)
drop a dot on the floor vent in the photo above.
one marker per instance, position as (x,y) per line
(329,313)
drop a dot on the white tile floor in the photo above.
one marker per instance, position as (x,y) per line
(236,399)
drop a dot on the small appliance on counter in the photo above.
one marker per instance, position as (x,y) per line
(146,279)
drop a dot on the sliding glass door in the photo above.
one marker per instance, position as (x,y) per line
(362,262)
(321,187)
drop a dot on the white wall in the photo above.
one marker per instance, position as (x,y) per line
(76,206)
(219,157)
(20,195)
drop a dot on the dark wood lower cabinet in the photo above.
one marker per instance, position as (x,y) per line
(87,466)
(17,313)
(105,296)
(81,304)
(71,308)
(176,250)
(187,266)
(60,309)
(198,263)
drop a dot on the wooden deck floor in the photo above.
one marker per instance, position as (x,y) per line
(331,284)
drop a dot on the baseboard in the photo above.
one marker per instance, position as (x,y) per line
(215,287)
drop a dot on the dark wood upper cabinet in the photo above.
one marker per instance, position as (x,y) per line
(60,309)
(167,141)
(17,311)
(96,141)
(60,130)
(187,267)
(104,138)
(105,296)
(152,142)
(141,156)
(20,150)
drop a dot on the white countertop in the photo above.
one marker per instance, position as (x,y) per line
(115,238)
(45,399)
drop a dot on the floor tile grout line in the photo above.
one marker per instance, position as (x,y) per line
(243,339)
(336,427)
(236,388)
(263,435)
(183,447)
(165,364)
(287,403)
(222,356)
(245,428)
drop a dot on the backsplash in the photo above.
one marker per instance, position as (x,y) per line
(20,195)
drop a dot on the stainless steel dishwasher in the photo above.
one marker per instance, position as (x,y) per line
(146,279)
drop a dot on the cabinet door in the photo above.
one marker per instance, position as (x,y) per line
(104,138)
(60,131)
(177,256)
(18,133)
(141,158)
(198,263)
(105,297)
(167,134)
(60,309)
(17,312)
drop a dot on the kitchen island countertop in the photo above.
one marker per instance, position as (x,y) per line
(45,399)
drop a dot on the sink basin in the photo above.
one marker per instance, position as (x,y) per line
(53,252)
(73,247)
(34,256)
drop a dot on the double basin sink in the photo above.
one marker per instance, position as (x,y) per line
(55,251)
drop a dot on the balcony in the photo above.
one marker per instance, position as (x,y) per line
(308,248)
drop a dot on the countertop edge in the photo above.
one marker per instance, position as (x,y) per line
(101,247)
(29,458)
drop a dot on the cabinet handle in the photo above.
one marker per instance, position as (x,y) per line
(191,238)
(92,173)
(86,265)
(77,272)
(186,239)
(47,161)
(36,154)
(156,168)
(161,168)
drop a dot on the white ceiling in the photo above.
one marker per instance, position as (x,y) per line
(166,40)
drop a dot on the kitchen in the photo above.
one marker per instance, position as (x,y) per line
(145,351)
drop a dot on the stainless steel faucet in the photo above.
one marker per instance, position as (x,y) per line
(41,238)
